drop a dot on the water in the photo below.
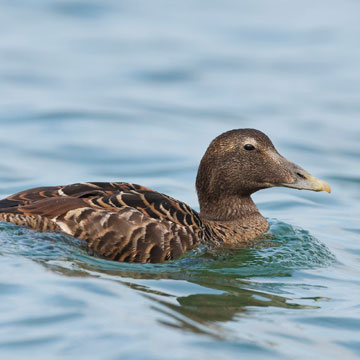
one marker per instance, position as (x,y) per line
(134,91)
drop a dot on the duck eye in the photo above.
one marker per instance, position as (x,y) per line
(249,147)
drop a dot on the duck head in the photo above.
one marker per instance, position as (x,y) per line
(240,162)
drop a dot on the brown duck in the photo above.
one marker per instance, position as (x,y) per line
(128,222)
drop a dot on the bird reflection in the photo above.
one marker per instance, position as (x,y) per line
(217,287)
(220,298)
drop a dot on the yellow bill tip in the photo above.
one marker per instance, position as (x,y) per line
(319,185)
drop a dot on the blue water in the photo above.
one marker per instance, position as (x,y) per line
(134,91)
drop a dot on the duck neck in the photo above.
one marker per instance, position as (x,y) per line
(240,210)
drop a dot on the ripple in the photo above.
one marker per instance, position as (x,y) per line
(354,346)
(36,321)
(344,323)
(81,9)
(346,180)
(6,289)
(24,344)
(139,88)
(17,240)
(284,249)
(220,274)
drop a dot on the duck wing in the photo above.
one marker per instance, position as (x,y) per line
(119,221)
(77,190)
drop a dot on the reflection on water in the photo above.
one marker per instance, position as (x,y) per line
(135,91)
(222,292)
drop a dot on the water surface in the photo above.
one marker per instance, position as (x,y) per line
(134,91)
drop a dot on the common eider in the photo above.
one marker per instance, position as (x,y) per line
(127,222)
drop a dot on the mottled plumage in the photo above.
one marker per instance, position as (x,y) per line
(128,222)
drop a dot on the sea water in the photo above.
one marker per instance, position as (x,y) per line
(134,91)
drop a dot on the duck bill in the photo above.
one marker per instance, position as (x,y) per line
(309,183)
(305,181)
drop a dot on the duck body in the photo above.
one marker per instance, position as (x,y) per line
(132,223)
(119,221)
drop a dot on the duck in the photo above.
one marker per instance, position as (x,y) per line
(127,222)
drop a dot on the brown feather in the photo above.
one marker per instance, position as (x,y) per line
(119,221)
(129,222)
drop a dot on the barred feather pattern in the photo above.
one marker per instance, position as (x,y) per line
(119,221)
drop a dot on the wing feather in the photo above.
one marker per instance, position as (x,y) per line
(119,221)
